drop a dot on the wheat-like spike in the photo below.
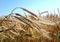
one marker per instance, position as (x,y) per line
(29,12)
(27,20)
(24,17)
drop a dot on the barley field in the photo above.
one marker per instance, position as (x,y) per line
(30,28)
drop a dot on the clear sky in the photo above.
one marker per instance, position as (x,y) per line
(33,5)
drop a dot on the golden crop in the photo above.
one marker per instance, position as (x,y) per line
(29,28)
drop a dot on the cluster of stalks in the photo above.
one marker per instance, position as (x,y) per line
(29,28)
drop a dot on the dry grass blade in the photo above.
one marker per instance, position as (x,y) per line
(25,14)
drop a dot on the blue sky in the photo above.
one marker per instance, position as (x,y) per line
(33,5)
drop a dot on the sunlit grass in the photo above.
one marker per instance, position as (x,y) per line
(29,28)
